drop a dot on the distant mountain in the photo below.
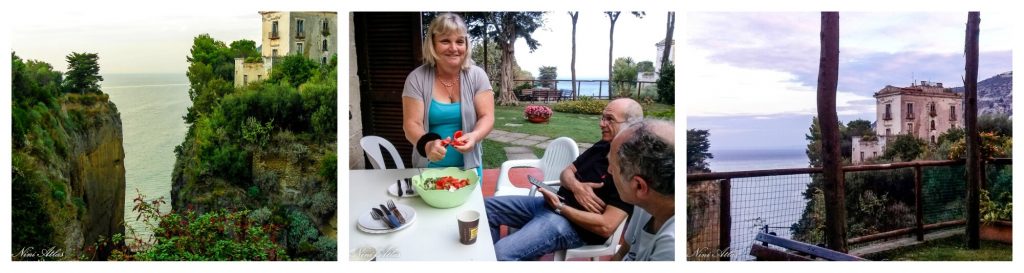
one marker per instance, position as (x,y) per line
(995,94)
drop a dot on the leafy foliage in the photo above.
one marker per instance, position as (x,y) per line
(667,84)
(906,147)
(83,73)
(645,66)
(584,105)
(697,151)
(624,75)
(547,77)
(992,146)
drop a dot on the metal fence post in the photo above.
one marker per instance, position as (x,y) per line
(918,203)
(725,218)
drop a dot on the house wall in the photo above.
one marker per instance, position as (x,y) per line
(355,122)
(870,149)
(252,71)
(311,38)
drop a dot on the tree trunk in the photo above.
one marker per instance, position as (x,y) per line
(828,120)
(575,16)
(613,16)
(670,28)
(971,124)
(508,43)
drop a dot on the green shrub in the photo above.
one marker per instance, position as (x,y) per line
(267,182)
(329,168)
(326,248)
(585,105)
(256,134)
(667,84)
(80,205)
(301,234)
(58,190)
(323,203)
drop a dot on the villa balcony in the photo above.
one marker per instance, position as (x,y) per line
(274,35)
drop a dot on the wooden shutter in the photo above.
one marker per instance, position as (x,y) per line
(388,48)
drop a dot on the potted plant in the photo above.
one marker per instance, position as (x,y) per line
(537,113)
(996,219)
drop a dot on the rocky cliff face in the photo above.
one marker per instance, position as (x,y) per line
(995,94)
(96,171)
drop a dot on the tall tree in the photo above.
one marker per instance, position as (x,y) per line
(670,26)
(623,74)
(83,73)
(575,15)
(697,154)
(511,26)
(547,76)
(613,16)
(645,66)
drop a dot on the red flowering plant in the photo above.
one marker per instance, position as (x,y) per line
(537,111)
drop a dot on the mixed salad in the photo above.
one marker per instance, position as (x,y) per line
(445,183)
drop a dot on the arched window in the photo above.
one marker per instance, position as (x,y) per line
(933,125)
(324,47)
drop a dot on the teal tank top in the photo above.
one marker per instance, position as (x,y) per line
(445,119)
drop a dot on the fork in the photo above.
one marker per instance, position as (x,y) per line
(378,215)
(409,190)
(394,210)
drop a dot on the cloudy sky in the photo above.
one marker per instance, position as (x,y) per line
(634,37)
(751,77)
(155,41)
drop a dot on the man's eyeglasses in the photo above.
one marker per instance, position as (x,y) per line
(610,120)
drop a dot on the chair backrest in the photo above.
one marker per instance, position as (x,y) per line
(560,153)
(372,145)
(617,235)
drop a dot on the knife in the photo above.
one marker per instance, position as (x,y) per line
(400,191)
(398,214)
(391,217)
(378,212)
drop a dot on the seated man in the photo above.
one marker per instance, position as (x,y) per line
(550,223)
(642,163)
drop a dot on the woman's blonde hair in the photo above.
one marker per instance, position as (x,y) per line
(446,23)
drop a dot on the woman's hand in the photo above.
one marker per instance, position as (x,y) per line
(467,140)
(435,151)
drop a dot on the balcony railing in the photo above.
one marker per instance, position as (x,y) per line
(274,35)
(907,198)
(300,35)
(888,116)
(910,115)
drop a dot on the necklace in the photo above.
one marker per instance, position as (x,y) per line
(448,86)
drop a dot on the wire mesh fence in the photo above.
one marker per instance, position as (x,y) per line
(879,199)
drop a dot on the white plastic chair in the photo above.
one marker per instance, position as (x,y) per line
(560,153)
(372,145)
(594,252)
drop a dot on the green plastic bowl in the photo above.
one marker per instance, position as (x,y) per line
(444,199)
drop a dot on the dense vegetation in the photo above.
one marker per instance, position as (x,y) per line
(41,129)
(259,156)
(879,201)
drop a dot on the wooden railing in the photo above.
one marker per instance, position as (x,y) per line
(919,229)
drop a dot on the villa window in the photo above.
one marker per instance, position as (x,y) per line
(325,27)
(245,79)
(323,60)
(910,110)
(933,125)
(862,156)
(952,112)
(874,154)
(910,127)
(888,132)
(299,45)
(273,30)
(259,77)
(888,112)
(323,47)
(933,139)
(931,110)
(273,53)
(300,28)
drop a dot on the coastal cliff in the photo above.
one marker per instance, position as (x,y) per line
(68,177)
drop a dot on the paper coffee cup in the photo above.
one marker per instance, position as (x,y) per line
(469,223)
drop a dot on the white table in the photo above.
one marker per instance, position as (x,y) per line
(433,237)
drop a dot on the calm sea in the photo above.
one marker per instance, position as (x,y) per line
(776,201)
(151,107)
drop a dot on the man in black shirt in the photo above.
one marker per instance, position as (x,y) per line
(591,209)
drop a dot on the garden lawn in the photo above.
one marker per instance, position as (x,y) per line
(494,153)
(579,127)
(948,249)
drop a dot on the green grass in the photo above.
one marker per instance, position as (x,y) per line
(948,249)
(494,153)
(579,127)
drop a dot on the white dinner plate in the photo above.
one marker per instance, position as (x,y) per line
(367,224)
(393,190)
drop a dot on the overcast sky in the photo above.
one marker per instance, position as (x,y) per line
(634,37)
(751,77)
(143,42)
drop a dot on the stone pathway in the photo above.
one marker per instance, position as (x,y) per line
(522,143)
